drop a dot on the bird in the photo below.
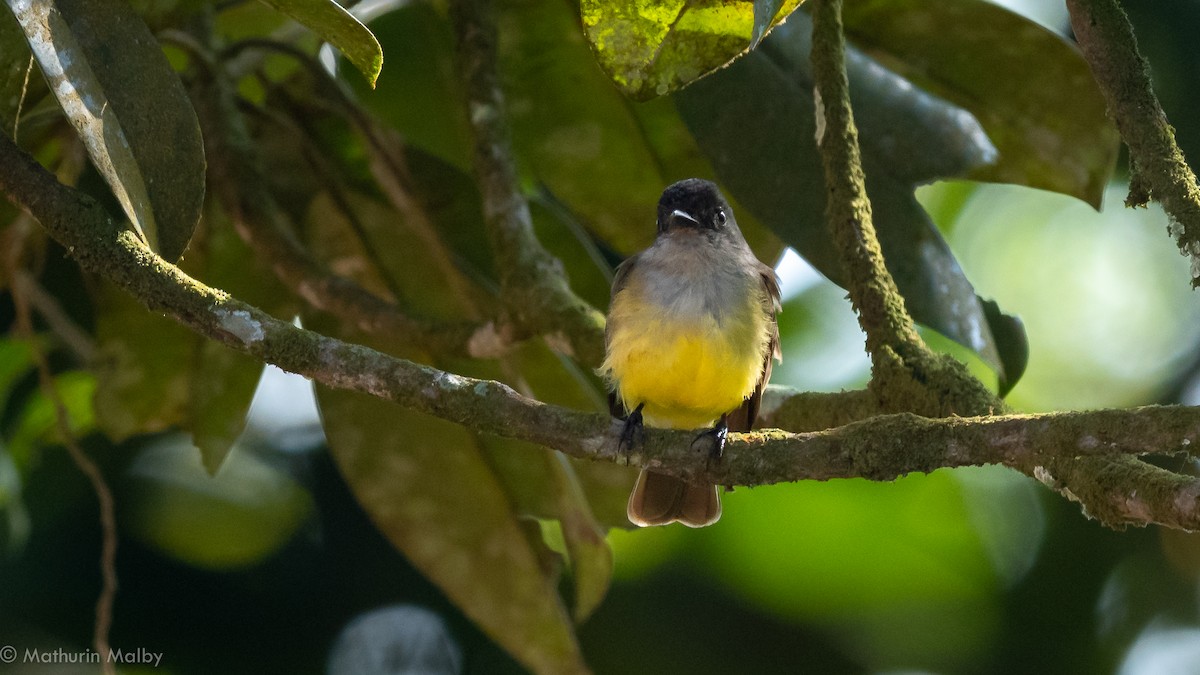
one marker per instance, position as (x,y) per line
(690,340)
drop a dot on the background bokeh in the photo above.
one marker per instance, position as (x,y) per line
(272,567)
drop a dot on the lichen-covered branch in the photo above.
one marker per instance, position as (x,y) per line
(905,374)
(533,284)
(873,292)
(1121,491)
(1085,451)
(1158,166)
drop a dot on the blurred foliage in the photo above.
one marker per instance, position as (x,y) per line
(970,571)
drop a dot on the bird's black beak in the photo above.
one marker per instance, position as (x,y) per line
(681,219)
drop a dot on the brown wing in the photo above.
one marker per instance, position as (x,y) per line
(744,417)
(615,408)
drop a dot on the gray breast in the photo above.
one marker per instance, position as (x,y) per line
(689,277)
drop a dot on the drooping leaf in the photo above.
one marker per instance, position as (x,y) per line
(222,386)
(1012,344)
(339,28)
(1029,88)
(129,107)
(590,556)
(550,377)
(141,368)
(223,381)
(774,169)
(653,47)
(430,491)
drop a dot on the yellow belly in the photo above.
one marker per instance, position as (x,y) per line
(686,373)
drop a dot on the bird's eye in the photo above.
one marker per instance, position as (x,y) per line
(720,217)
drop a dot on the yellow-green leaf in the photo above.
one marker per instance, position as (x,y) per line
(1030,89)
(339,28)
(653,47)
(130,109)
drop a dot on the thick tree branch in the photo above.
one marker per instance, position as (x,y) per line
(1158,167)
(880,448)
(533,285)
(905,375)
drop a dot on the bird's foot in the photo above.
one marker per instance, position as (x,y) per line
(633,433)
(712,441)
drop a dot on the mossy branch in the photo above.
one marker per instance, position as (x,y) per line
(873,292)
(905,374)
(880,447)
(1158,166)
(533,284)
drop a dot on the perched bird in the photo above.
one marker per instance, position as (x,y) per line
(690,341)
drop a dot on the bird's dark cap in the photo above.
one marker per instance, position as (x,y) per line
(699,199)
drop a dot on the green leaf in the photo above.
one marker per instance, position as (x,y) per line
(1011,342)
(430,491)
(589,552)
(339,28)
(222,386)
(774,169)
(16,359)
(653,47)
(129,107)
(37,423)
(142,367)
(1029,88)
(223,381)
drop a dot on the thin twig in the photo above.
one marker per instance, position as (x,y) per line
(108,522)
(533,285)
(21,100)
(326,175)
(387,165)
(239,184)
(65,328)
